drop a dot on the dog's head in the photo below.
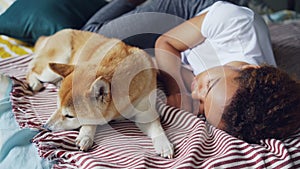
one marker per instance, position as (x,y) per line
(74,97)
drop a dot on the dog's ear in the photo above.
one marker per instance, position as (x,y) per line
(62,69)
(100,89)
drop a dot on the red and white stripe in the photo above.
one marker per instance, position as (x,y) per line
(122,145)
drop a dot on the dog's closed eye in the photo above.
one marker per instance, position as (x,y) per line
(69,116)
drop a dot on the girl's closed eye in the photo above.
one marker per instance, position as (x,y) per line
(211,83)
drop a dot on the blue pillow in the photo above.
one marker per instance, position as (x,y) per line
(27,20)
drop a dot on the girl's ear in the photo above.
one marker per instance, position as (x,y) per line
(62,69)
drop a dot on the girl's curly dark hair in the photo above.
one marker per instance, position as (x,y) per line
(266,105)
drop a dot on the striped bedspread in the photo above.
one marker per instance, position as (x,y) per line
(122,145)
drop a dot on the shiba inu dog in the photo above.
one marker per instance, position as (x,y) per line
(103,79)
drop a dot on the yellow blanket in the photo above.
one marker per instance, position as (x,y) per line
(10,47)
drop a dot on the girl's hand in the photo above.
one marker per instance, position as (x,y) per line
(184,102)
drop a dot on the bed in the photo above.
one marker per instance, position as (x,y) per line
(24,144)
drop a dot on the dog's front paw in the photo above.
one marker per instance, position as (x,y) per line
(84,142)
(163,147)
(34,83)
(36,86)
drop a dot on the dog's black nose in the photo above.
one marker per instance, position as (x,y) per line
(45,126)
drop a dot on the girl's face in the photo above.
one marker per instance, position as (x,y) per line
(215,88)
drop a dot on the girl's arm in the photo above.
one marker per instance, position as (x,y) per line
(167,52)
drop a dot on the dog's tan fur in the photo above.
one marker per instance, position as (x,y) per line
(103,80)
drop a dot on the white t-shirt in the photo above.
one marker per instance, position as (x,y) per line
(233,33)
